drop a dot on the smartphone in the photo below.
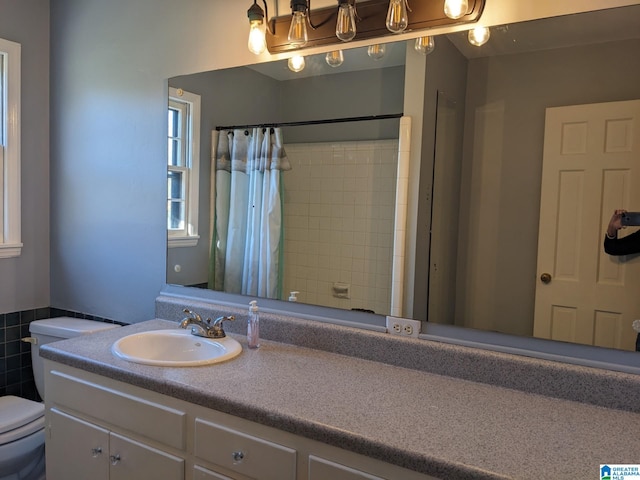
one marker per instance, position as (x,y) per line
(630,219)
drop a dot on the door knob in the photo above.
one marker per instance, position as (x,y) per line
(545,278)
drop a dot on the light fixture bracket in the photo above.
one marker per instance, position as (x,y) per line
(372,15)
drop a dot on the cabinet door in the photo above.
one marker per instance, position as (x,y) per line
(76,449)
(322,469)
(131,460)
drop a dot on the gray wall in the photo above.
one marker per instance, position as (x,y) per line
(351,94)
(110,61)
(24,281)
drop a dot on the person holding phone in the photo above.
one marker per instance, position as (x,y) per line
(623,246)
(626,245)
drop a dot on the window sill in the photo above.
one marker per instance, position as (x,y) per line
(9,250)
(187,241)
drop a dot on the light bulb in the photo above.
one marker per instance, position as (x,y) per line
(376,51)
(397,16)
(335,58)
(298,30)
(424,45)
(456,8)
(479,36)
(346,24)
(257,42)
(296,64)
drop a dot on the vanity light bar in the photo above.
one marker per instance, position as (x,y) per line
(372,14)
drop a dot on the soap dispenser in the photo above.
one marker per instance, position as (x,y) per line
(293,296)
(253,325)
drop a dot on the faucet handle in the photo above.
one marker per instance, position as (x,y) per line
(218,331)
(192,314)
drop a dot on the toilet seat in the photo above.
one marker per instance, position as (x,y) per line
(19,418)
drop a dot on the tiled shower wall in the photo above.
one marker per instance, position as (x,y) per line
(339,219)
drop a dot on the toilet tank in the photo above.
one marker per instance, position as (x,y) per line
(53,329)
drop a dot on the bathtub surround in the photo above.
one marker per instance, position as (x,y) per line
(16,374)
(339,223)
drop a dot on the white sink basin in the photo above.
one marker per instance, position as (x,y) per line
(175,348)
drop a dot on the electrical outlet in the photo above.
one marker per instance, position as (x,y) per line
(403,326)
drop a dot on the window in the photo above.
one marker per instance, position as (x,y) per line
(183,162)
(10,235)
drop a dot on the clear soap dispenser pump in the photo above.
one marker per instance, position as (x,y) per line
(253,325)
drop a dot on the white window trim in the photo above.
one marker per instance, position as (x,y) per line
(10,228)
(192,237)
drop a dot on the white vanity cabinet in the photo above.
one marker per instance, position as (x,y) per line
(100,428)
(95,432)
(79,450)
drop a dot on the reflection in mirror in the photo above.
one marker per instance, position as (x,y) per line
(338,190)
(510,82)
(480,189)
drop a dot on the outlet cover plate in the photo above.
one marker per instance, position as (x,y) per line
(403,327)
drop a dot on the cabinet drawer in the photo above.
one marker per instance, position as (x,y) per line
(200,473)
(322,469)
(146,418)
(242,453)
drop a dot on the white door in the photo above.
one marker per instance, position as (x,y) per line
(591,166)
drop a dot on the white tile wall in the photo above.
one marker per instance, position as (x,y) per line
(339,222)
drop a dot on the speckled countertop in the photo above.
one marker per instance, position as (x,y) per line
(443,426)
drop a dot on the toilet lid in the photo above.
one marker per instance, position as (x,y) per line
(67,327)
(16,412)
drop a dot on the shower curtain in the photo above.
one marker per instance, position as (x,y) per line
(247,238)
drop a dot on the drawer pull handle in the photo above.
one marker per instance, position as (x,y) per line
(238,456)
(115,459)
(96,451)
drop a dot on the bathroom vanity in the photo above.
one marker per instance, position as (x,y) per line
(286,411)
(112,430)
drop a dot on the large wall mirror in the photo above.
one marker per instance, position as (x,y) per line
(481,171)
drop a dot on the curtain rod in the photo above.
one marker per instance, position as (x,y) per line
(314,122)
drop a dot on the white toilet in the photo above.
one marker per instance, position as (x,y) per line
(21,420)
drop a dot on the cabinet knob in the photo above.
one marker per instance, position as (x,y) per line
(238,456)
(96,451)
(115,459)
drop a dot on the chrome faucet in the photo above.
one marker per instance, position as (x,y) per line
(204,328)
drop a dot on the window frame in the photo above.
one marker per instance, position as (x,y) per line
(10,207)
(188,237)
